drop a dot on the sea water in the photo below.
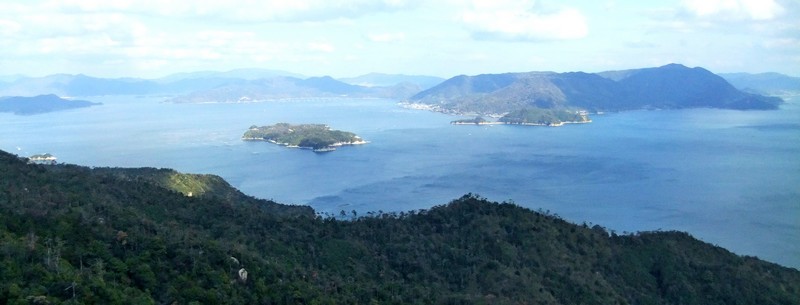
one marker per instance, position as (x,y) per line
(731,178)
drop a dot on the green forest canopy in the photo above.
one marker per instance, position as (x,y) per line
(77,235)
(540,116)
(316,136)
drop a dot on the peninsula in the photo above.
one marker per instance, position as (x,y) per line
(30,105)
(318,137)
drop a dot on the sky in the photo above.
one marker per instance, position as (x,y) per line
(345,38)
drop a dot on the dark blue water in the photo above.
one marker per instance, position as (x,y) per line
(731,178)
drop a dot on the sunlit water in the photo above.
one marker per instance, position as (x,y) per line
(731,178)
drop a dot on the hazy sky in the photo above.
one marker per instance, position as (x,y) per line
(153,38)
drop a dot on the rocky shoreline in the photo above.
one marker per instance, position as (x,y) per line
(328,148)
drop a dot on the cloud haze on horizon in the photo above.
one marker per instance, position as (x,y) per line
(342,38)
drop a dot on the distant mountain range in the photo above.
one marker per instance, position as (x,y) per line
(245,74)
(82,85)
(764,83)
(666,87)
(291,87)
(39,104)
(230,86)
(373,85)
(387,80)
(670,86)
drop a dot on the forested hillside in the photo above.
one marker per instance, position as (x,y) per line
(75,235)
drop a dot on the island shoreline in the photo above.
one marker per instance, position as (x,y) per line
(316,137)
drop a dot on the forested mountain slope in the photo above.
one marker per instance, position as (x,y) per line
(75,235)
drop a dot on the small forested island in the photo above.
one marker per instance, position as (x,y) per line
(545,117)
(318,137)
(532,116)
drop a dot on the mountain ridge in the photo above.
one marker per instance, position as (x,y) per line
(769,83)
(245,74)
(199,82)
(385,80)
(290,87)
(669,86)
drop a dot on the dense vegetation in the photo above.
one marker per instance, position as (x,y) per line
(549,117)
(477,121)
(203,186)
(666,87)
(75,235)
(314,136)
(23,105)
(532,116)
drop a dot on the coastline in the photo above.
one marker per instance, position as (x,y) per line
(436,108)
(248,100)
(523,124)
(331,147)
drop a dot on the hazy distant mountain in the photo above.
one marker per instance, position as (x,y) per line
(670,86)
(82,85)
(78,85)
(270,88)
(387,80)
(291,87)
(764,83)
(329,85)
(244,74)
(208,86)
(39,104)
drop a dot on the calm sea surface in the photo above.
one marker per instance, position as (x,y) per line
(731,178)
